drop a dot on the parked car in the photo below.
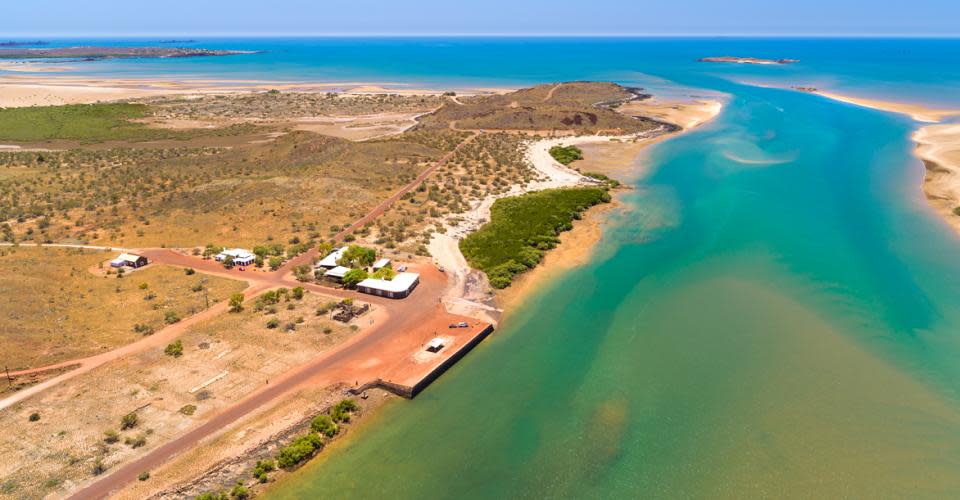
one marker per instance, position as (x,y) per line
(462,324)
(453,325)
(402,269)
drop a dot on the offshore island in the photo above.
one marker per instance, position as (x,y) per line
(344,247)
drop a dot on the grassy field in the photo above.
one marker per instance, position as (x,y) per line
(79,122)
(56,309)
(523,228)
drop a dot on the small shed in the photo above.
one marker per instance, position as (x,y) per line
(129,260)
(380,264)
(435,345)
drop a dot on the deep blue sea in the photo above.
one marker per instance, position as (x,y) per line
(774,314)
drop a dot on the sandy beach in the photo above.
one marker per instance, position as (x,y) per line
(939,148)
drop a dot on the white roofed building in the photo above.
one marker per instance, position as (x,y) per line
(330,261)
(241,257)
(380,264)
(399,287)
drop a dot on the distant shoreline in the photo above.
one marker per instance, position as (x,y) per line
(97,53)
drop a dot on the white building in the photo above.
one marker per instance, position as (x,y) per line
(129,260)
(380,264)
(399,287)
(330,261)
(241,257)
(337,273)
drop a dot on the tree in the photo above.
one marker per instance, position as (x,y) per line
(175,349)
(384,273)
(236,302)
(228,261)
(297,293)
(275,262)
(357,256)
(325,248)
(354,276)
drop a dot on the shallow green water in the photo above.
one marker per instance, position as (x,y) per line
(775,316)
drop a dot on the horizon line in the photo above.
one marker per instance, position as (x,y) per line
(491,35)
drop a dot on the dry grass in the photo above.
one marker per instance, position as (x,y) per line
(56,309)
(62,447)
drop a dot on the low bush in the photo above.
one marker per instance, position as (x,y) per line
(324,425)
(299,450)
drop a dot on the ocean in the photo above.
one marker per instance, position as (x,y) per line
(775,313)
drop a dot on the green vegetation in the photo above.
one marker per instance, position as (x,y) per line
(174,349)
(566,154)
(956,211)
(358,256)
(522,228)
(341,412)
(239,491)
(262,468)
(110,436)
(299,450)
(188,410)
(79,122)
(354,276)
(323,424)
(129,421)
(211,495)
(384,273)
(236,302)
(34,417)
(143,476)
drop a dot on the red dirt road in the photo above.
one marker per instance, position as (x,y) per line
(385,352)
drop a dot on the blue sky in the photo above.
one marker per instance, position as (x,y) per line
(610,17)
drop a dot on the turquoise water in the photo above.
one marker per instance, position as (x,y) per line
(775,314)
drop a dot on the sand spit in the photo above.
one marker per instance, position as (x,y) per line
(918,112)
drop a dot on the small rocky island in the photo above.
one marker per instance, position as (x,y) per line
(746,60)
(113,52)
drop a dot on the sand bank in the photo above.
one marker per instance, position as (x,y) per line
(918,112)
